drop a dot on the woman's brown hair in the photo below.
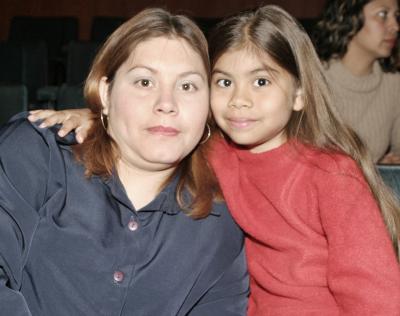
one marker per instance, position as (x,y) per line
(273,31)
(99,153)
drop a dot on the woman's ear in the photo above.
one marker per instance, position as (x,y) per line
(104,95)
(298,103)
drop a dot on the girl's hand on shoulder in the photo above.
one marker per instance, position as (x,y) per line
(79,120)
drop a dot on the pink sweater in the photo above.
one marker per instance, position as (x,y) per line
(316,243)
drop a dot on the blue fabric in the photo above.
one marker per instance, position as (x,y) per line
(391,176)
(63,237)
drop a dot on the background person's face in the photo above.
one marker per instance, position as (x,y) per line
(378,35)
(158,104)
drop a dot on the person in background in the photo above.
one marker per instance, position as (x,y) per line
(358,42)
(129,222)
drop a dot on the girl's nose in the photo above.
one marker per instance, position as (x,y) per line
(240,99)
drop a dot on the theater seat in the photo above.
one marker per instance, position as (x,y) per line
(391,176)
(13,99)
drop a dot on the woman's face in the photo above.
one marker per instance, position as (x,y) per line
(378,35)
(158,104)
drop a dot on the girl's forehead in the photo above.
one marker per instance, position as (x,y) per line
(243,53)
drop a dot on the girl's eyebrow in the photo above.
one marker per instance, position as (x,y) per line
(253,71)
(216,70)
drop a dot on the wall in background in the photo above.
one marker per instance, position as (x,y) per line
(85,10)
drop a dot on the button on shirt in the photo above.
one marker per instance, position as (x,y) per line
(71,245)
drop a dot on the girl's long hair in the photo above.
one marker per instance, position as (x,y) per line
(271,30)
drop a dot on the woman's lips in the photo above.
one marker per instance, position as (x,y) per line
(391,41)
(163,130)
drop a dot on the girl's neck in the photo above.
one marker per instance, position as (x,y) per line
(141,186)
(357,61)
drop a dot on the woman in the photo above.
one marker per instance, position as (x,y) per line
(126,223)
(358,41)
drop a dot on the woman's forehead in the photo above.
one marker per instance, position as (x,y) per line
(164,49)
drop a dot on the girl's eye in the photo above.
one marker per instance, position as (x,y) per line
(188,86)
(261,82)
(145,83)
(224,83)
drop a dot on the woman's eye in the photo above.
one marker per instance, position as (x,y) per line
(188,86)
(261,82)
(224,83)
(397,17)
(383,14)
(145,83)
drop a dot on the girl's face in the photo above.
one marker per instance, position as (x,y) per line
(158,104)
(378,35)
(252,99)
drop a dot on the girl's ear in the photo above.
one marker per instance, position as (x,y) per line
(104,95)
(298,103)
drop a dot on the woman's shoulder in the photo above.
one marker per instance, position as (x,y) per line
(21,133)
(228,228)
(392,79)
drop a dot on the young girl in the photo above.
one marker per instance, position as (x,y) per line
(298,183)
(358,42)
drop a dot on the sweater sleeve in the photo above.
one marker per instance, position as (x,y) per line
(363,273)
(23,181)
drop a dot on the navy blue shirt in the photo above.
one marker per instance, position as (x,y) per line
(71,245)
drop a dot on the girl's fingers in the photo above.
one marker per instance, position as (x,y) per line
(40,114)
(55,118)
(81,134)
(68,124)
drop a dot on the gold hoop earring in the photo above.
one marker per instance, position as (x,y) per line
(208,134)
(104,120)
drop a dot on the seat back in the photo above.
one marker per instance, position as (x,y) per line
(56,32)
(80,56)
(103,26)
(13,99)
(391,176)
(70,97)
(24,63)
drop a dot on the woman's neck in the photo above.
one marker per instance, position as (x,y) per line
(357,60)
(141,185)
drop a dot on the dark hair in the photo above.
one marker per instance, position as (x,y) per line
(340,21)
(99,152)
(270,30)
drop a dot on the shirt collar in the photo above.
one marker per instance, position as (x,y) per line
(165,201)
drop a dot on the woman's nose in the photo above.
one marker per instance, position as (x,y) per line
(166,103)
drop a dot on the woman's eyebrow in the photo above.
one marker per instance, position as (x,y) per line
(153,70)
